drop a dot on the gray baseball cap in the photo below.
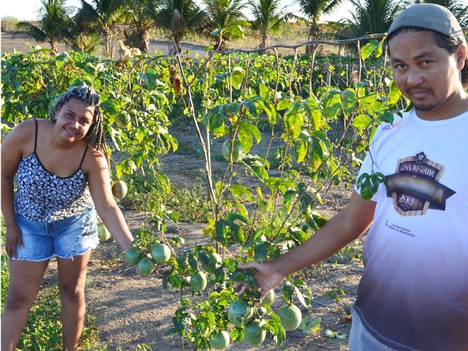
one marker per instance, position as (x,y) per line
(429,16)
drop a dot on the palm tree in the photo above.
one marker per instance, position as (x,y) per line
(314,9)
(179,16)
(373,16)
(53,24)
(267,16)
(102,17)
(225,20)
(141,17)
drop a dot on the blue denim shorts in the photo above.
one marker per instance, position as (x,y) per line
(72,236)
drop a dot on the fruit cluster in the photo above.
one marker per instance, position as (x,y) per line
(160,253)
(243,315)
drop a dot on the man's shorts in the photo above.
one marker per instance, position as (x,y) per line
(361,340)
(72,236)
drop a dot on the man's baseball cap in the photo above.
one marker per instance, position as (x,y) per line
(429,16)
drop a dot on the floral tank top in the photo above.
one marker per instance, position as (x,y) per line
(44,197)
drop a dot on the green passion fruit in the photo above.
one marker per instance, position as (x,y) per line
(145,266)
(220,341)
(269,298)
(239,312)
(160,253)
(254,333)
(103,234)
(122,119)
(291,317)
(133,256)
(198,281)
(237,151)
(210,261)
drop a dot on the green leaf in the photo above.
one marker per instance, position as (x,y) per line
(237,76)
(231,109)
(394,94)
(252,129)
(293,121)
(368,184)
(260,252)
(245,139)
(361,121)
(251,108)
(309,326)
(299,235)
(300,149)
(264,92)
(332,104)
(231,217)
(288,293)
(221,231)
(238,191)
(369,48)
(216,118)
(284,104)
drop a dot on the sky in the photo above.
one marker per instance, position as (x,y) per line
(28,9)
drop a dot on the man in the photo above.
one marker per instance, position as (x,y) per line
(414,291)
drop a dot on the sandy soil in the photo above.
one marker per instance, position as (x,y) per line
(132,310)
(22,43)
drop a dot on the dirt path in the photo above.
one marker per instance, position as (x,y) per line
(22,43)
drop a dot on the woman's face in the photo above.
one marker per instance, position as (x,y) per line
(74,119)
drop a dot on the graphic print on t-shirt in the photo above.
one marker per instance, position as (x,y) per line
(415,186)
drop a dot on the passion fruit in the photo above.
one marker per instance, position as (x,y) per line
(290,316)
(119,189)
(198,281)
(254,333)
(221,340)
(133,256)
(269,298)
(103,234)
(145,266)
(239,312)
(237,151)
(122,120)
(160,253)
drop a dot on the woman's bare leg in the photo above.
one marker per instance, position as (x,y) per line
(25,281)
(71,281)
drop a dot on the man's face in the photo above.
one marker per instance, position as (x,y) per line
(426,74)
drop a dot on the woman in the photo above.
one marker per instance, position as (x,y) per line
(63,177)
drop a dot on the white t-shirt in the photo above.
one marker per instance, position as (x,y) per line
(414,290)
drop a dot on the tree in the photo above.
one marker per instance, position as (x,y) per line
(267,16)
(373,16)
(225,20)
(53,26)
(179,16)
(314,10)
(101,17)
(141,17)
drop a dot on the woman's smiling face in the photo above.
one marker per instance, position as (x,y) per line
(74,119)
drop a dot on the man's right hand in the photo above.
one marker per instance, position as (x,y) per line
(266,277)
